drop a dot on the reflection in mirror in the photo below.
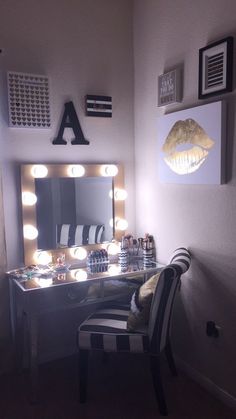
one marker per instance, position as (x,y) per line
(73,211)
(71,205)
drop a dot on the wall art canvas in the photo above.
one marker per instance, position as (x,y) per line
(191,145)
(28,100)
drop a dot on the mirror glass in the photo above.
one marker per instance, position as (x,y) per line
(65,205)
(73,202)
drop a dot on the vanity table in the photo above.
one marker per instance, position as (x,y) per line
(43,292)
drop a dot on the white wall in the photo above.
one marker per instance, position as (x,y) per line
(85,47)
(168,33)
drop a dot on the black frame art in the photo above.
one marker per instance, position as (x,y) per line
(216,68)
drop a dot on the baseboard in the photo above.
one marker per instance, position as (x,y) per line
(207,384)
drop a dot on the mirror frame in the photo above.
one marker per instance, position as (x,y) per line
(61,170)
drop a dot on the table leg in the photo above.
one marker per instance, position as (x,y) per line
(33,356)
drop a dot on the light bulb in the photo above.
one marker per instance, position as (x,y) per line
(79,253)
(39,170)
(29,198)
(120,194)
(121,224)
(109,170)
(113,249)
(43,258)
(79,274)
(111,222)
(44,282)
(113,270)
(30,232)
(76,170)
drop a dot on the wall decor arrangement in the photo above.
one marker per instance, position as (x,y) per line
(70,120)
(170,87)
(191,145)
(28,100)
(98,106)
(216,68)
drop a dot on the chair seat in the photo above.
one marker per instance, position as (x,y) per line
(106,330)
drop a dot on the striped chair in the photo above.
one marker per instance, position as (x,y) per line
(106,330)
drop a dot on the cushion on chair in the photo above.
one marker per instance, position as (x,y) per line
(106,330)
(141,303)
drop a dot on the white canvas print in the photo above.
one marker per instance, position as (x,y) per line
(190,145)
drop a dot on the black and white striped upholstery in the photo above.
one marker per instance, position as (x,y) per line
(106,329)
(72,234)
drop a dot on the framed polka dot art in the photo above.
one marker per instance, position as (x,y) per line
(28,100)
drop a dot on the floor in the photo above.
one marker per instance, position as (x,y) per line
(119,389)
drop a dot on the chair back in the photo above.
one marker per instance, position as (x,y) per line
(163,299)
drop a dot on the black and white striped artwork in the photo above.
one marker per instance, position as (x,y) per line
(216,68)
(28,100)
(99,106)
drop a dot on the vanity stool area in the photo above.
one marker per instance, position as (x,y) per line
(37,293)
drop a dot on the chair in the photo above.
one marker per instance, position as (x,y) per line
(105,329)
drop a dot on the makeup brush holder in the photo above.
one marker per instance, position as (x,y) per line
(148,257)
(123,258)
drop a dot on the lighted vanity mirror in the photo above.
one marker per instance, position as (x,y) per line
(71,206)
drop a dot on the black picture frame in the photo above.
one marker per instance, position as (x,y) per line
(216,68)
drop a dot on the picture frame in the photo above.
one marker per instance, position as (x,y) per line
(191,145)
(170,87)
(216,68)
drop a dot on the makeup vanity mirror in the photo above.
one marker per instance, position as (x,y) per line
(71,207)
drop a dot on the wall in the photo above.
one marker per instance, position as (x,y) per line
(168,33)
(85,47)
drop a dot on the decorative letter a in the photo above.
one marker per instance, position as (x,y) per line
(70,120)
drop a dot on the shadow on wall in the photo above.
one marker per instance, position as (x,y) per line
(207,293)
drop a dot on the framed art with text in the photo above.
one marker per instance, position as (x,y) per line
(170,87)
(216,68)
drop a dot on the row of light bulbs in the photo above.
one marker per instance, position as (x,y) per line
(74,170)
(77,274)
(43,257)
(30,232)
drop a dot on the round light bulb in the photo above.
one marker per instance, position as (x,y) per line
(39,170)
(109,170)
(43,258)
(79,274)
(113,270)
(29,198)
(111,222)
(120,194)
(76,170)
(44,282)
(121,224)
(113,249)
(79,253)
(30,232)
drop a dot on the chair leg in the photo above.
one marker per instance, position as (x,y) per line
(157,383)
(170,359)
(83,374)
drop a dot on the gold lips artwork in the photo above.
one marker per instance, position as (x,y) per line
(186,161)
